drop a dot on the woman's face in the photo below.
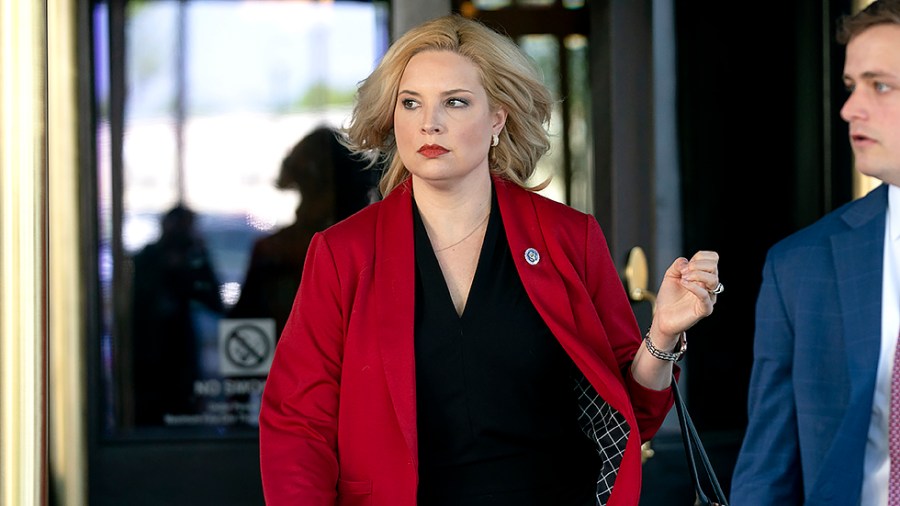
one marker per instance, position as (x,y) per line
(443,122)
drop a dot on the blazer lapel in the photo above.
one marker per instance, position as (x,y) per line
(394,305)
(858,254)
(546,285)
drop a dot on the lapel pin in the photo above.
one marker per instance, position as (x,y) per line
(532,256)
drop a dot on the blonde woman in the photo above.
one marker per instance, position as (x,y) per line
(466,341)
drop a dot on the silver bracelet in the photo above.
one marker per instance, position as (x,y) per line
(664,355)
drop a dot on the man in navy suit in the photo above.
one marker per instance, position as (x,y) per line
(828,312)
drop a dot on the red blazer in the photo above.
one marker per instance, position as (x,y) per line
(337,424)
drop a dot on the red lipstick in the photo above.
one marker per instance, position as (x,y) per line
(432,150)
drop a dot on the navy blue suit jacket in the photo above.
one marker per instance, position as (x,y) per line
(817,341)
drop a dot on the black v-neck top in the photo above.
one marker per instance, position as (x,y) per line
(496,406)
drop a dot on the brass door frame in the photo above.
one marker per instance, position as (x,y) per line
(23,240)
(68,142)
(41,330)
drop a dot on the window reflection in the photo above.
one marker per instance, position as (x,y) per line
(216,96)
(544,50)
(489,5)
(578,105)
(555,35)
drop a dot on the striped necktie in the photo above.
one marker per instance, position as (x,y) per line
(894,433)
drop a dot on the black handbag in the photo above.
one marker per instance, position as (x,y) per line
(693,444)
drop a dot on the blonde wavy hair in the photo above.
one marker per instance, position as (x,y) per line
(508,75)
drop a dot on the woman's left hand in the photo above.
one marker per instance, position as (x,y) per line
(687,295)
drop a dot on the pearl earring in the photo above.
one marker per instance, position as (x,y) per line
(495,139)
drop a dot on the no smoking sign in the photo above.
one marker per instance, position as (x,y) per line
(246,346)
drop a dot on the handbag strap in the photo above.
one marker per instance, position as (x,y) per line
(692,442)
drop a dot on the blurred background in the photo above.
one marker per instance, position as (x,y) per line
(679,125)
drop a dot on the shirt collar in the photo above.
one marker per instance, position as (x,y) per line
(894,211)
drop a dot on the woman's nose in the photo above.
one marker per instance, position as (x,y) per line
(432,123)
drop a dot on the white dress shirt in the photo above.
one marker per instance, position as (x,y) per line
(877,461)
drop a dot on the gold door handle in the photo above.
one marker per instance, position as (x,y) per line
(636,274)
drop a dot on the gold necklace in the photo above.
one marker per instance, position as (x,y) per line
(480,223)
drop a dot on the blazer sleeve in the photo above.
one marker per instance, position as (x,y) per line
(768,463)
(298,416)
(613,306)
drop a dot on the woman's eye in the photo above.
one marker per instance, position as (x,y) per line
(457,102)
(409,103)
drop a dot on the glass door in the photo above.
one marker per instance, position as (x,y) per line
(204,196)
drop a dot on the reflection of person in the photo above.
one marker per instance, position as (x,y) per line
(827,312)
(448,342)
(332,185)
(173,282)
